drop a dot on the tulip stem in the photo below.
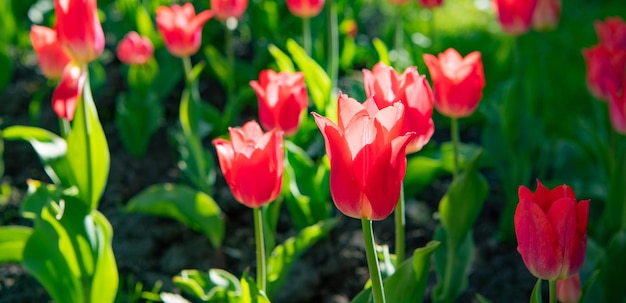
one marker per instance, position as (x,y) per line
(399,38)
(454,132)
(372,261)
(400,227)
(552,288)
(64,127)
(260,249)
(306,35)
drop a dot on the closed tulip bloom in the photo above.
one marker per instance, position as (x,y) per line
(387,87)
(135,49)
(430,3)
(569,290)
(458,82)
(225,9)
(51,55)
(79,29)
(305,8)
(66,94)
(282,100)
(367,157)
(546,15)
(617,108)
(612,33)
(605,68)
(252,163)
(181,28)
(515,16)
(551,230)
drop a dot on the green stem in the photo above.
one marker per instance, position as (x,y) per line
(187,66)
(400,228)
(399,36)
(448,279)
(454,132)
(64,127)
(372,261)
(552,287)
(261,269)
(306,35)
(231,107)
(333,45)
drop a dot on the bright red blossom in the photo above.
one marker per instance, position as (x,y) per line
(458,82)
(305,8)
(181,28)
(515,16)
(51,55)
(135,49)
(66,94)
(612,33)
(551,230)
(252,163)
(430,3)
(78,28)
(225,9)
(387,87)
(606,68)
(282,99)
(367,157)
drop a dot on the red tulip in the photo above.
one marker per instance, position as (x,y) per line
(282,99)
(515,16)
(181,28)
(551,230)
(430,3)
(569,290)
(387,87)
(546,15)
(612,33)
(605,68)
(225,9)
(305,8)
(458,82)
(135,49)
(367,157)
(79,29)
(252,163)
(51,55)
(66,94)
(617,108)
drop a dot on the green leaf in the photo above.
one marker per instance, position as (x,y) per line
(6,65)
(50,148)
(249,291)
(286,254)
(381,49)
(184,204)
(613,266)
(449,287)
(616,200)
(37,197)
(421,171)
(282,60)
(535,296)
(317,81)
(137,119)
(12,242)
(212,286)
(218,64)
(196,163)
(461,205)
(88,151)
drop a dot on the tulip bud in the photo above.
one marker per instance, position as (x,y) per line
(181,28)
(51,55)
(305,8)
(78,28)
(135,49)
(225,9)
(515,16)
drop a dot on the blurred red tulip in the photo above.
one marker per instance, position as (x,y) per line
(430,3)
(458,82)
(569,290)
(225,9)
(51,55)
(135,49)
(66,94)
(252,163)
(282,100)
(546,15)
(605,68)
(551,230)
(612,33)
(387,87)
(305,8)
(617,107)
(181,28)
(78,28)
(515,16)
(367,157)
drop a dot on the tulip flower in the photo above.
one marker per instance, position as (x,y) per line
(605,68)
(617,108)
(305,8)
(551,230)
(458,82)
(546,15)
(51,55)
(65,96)
(78,28)
(282,99)
(430,3)
(181,28)
(387,87)
(569,290)
(225,9)
(612,33)
(367,157)
(135,49)
(515,16)
(252,163)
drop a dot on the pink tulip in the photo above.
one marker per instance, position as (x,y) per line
(612,33)
(225,9)
(65,96)
(387,87)
(51,55)
(135,49)
(78,28)
(430,3)
(181,28)
(546,15)
(569,290)
(367,157)
(551,230)
(617,108)
(605,68)
(515,16)
(305,8)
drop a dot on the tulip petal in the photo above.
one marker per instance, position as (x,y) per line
(562,215)
(348,109)
(254,190)
(65,96)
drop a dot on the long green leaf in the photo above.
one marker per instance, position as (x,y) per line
(317,81)
(184,204)
(450,286)
(212,286)
(12,242)
(535,296)
(282,60)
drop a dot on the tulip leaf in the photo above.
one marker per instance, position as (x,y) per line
(88,151)
(137,119)
(37,197)
(7,66)
(193,208)
(535,296)
(286,254)
(421,171)
(382,51)
(317,81)
(249,291)
(613,265)
(218,64)
(212,286)
(283,61)
(413,271)
(12,242)
(168,297)
(616,200)
(448,288)
(50,148)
